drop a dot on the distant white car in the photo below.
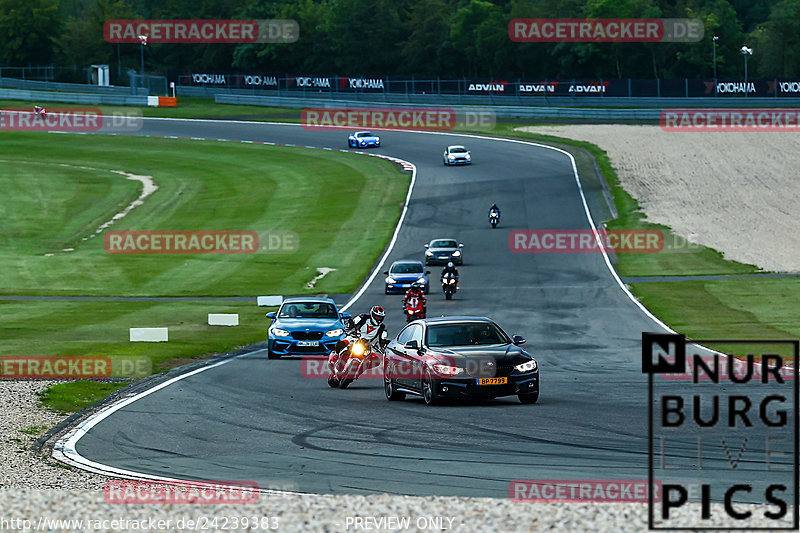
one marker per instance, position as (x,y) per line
(362,139)
(456,155)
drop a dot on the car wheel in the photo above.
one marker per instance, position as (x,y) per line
(529,398)
(429,391)
(272,355)
(392,394)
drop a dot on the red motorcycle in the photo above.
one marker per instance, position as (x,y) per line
(414,309)
(353,358)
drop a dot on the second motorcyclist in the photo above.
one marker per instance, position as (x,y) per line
(415,291)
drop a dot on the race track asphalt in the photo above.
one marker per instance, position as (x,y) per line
(260,420)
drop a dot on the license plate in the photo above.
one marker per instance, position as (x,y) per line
(492,381)
(308,343)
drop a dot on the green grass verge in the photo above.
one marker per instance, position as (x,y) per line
(187,108)
(59,189)
(343,208)
(733,308)
(70,397)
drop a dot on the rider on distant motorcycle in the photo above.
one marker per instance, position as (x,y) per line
(415,292)
(449,269)
(495,209)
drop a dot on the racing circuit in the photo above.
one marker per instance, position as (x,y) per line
(254,419)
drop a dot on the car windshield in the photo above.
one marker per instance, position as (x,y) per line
(365,134)
(407,268)
(466,334)
(458,150)
(444,244)
(308,310)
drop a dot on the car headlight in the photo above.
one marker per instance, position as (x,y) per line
(529,366)
(446,370)
(457,253)
(422,281)
(468,156)
(278,332)
(334,332)
(390,280)
(451,156)
(428,252)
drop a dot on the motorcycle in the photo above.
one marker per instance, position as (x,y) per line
(350,361)
(494,218)
(449,285)
(413,309)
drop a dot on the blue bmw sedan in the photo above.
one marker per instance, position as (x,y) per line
(305,326)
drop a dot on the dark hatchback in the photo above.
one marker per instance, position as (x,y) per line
(458,357)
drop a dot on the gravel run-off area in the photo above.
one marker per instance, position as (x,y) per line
(736,192)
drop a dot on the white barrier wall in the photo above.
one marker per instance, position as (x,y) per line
(223,319)
(269,301)
(149,334)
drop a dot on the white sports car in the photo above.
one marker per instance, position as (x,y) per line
(456,155)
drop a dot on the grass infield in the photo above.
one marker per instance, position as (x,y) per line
(58,189)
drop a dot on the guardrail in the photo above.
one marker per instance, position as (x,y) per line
(72,98)
(527,112)
(498,111)
(291,99)
(34,85)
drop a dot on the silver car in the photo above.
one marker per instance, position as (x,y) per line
(456,155)
(442,251)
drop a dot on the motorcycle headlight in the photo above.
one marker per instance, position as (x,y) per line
(422,281)
(278,332)
(446,370)
(452,280)
(358,349)
(457,253)
(390,280)
(529,366)
(334,332)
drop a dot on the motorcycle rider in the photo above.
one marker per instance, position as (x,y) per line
(495,209)
(450,269)
(415,291)
(367,326)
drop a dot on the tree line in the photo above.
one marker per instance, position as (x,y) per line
(403,38)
